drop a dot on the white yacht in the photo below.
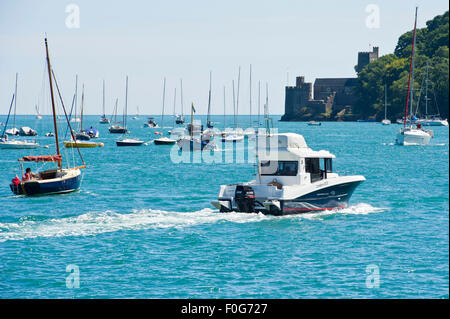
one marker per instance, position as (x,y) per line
(410,135)
(291,179)
(433,122)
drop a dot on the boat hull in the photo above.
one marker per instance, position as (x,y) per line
(334,197)
(433,122)
(413,137)
(121,143)
(164,141)
(323,198)
(80,144)
(18,145)
(120,130)
(46,187)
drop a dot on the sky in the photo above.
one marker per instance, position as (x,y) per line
(152,40)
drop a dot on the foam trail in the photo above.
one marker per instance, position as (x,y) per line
(93,223)
(103,222)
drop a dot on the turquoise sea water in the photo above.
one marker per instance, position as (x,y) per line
(142,226)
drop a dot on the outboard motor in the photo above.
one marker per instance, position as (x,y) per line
(245,198)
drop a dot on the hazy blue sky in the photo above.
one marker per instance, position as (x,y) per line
(150,40)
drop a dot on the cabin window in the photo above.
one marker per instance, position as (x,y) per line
(280,168)
(312,166)
(318,169)
(328,165)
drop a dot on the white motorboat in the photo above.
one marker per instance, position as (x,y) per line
(314,123)
(27,131)
(15,144)
(12,131)
(291,179)
(164,141)
(129,142)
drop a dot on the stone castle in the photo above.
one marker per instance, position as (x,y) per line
(333,97)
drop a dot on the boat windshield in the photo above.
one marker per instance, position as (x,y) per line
(279,168)
(318,171)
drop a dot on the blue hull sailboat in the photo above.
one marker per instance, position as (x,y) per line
(51,181)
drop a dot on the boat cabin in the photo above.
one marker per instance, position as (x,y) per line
(285,159)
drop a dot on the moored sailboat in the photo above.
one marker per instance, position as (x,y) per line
(409,135)
(127,141)
(164,140)
(5,143)
(385,121)
(104,119)
(192,143)
(116,128)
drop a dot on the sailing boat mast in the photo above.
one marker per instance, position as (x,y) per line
(76,97)
(251,124)
(411,71)
(224,109)
(174,105)
(385,101)
(82,107)
(162,115)
(15,102)
(104,114)
(234,109)
(53,101)
(126,105)
(426,91)
(181,84)
(237,99)
(259,103)
(192,120)
(208,118)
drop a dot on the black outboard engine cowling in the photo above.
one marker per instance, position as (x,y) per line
(245,198)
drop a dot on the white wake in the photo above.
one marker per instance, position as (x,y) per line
(93,223)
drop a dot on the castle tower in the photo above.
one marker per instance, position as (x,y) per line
(365,58)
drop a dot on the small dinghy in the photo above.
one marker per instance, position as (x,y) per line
(314,123)
(80,144)
(151,123)
(104,120)
(129,142)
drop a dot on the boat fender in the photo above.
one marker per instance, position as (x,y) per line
(15,181)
